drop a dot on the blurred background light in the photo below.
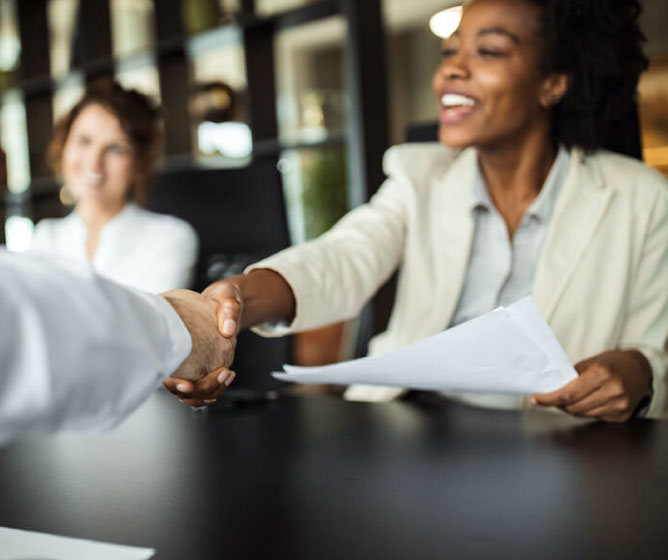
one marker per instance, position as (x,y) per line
(18,233)
(230,139)
(444,23)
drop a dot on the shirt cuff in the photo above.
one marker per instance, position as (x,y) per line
(180,342)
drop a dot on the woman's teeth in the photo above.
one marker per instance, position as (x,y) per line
(450,100)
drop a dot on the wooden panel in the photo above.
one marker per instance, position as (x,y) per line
(367,91)
(260,74)
(93,50)
(34,34)
(39,120)
(174,78)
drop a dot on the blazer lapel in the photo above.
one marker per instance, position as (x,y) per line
(575,218)
(452,231)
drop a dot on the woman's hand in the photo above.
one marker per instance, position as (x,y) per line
(205,390)
(610,386)
(226,297)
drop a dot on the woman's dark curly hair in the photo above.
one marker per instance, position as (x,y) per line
(139,119)
(599,44)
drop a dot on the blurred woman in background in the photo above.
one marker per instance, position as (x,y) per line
(106,149)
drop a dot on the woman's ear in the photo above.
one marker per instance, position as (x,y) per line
(553,90)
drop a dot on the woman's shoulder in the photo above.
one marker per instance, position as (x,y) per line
(418,160)
(48,230)
(626,173)
(52,224)
(47,226)
(164,226)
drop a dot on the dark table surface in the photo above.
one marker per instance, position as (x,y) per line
(318,478)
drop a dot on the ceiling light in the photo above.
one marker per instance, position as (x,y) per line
(444,23)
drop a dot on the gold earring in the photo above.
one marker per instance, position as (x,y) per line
(66,197)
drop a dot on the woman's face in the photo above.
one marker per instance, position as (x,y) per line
(98,161)
(489,87)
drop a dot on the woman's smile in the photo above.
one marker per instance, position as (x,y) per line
(456,107)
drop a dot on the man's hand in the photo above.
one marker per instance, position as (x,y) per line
(610,386)
(222,319)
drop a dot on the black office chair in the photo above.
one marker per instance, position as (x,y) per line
(239,215)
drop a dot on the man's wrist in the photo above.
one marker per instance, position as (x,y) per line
(179,336)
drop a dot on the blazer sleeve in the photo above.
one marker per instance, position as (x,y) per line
(78,351)
(333,276)
(646,325)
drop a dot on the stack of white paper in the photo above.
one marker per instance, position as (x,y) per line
(511,350)
(16,544)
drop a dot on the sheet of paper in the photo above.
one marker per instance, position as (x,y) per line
(511,351)
(22,545)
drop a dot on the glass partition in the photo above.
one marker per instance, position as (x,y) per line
(315,187)
(66,94)
(131,26)
(217,106)
(14,138)
(140,73)
(311,103)
(270,7)
(62,16)
(201,15)
(10,45)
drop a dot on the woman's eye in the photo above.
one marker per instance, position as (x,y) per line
(492,53)
(118,150)
(446,53)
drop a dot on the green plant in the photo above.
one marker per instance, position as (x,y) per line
(324,190)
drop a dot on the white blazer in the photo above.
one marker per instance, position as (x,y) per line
(601,280)
(77,351)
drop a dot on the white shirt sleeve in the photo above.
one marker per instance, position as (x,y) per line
(78,351)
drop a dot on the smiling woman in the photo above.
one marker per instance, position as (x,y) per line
(105,148)
(516,199)
(489,84)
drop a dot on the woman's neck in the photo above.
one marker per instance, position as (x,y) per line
(95,216)
(514,174)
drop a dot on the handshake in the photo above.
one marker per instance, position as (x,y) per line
(213,320)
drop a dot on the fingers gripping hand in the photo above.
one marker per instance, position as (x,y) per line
(210,350)
(205,390)
(609,387)
(225,297)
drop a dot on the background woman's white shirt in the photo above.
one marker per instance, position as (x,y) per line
(137,248)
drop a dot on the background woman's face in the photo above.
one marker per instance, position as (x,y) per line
(98,162)
(488,84)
